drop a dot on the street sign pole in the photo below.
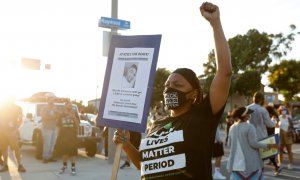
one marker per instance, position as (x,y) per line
(114,153)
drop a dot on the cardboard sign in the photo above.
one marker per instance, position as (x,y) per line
(267,153)
(129,77)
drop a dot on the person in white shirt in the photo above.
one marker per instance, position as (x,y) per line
(286,139)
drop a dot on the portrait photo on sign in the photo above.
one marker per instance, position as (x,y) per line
(129,74)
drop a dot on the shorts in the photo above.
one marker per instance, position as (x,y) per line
(217,150)
(285,139)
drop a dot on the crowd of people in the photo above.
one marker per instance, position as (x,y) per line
(182,144)
(59,132)
(263,120)
(10,121)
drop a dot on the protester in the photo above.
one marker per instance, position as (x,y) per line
(67,138)
(260,118)
(244,160)
(286,139)
(218,152)
(179,146)
(229,123)
(271,131)
(49,116)
(11,120)
(135,140)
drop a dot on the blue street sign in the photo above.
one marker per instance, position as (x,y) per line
(113,23)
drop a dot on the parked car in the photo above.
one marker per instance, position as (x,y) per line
(91,118)
(296,122)
(30,131)
(295,112)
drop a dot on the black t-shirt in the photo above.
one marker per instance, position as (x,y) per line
(180,147)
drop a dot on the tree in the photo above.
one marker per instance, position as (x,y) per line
(79,105)
(251,52)
(248,83)
(285,78)
(161,76)
(282,44)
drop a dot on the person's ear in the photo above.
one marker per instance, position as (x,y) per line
(194,94)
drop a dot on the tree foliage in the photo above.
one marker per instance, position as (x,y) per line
(250,51)
(248,83)
(251,56)
(161,76)
(285,78)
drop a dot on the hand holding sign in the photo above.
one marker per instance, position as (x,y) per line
(121,136)
(127,89)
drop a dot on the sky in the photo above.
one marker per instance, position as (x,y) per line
(65,34)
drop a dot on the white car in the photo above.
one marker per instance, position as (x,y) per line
(30,131)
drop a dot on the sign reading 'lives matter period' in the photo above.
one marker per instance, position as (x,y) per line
(129,77)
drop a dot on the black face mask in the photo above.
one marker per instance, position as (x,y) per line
(174,98)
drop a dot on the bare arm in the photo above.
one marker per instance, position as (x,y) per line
(133,154)
(219,88)
(123,136)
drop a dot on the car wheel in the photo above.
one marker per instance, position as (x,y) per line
(38,145)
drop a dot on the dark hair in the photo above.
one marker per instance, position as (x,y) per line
(241,112)
(258,97)
(281,108)
(191,77)
(271,111)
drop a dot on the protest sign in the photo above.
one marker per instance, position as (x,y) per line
(129,77)
(267,153)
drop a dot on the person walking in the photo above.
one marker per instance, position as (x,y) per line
(286,139)
(271,131)
(67,138)
(218,152)
(260,118)
(10,121)
(135,140)
(179,146)
(244,161)
(229,123)
(49,117)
